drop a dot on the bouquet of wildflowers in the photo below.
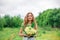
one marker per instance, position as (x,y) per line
(30,31)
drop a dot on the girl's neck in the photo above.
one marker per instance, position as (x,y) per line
(29,22)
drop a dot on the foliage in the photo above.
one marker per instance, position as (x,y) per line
(8,21)
(2,22)
(50,17)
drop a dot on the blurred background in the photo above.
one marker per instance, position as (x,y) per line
(46,13)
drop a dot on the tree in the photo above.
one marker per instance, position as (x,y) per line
(49,17)
(2,22)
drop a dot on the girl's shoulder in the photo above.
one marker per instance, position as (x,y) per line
(22,25)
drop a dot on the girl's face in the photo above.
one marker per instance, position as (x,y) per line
(29,17)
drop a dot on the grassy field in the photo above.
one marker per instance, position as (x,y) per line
(43,34)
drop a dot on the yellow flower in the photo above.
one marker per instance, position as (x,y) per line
(30,30)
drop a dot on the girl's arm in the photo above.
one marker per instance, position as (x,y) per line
(21,31)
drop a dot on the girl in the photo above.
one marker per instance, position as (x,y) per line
(28,20)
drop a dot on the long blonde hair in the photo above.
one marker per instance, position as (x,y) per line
(26,18)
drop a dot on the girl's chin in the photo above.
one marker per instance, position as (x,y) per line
(29,20)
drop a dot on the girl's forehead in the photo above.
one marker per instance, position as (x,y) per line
(29,14)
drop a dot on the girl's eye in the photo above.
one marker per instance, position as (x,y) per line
(30,16)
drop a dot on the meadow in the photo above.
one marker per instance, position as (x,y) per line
(43,34)
(48,26)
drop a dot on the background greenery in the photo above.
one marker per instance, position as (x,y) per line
(48,26)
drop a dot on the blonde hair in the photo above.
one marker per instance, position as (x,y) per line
(26,18)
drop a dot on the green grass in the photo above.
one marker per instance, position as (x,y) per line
(43,34)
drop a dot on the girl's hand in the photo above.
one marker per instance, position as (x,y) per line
(22,35)
(28,35)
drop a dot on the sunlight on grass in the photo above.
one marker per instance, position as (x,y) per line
(12,34)
(54,34)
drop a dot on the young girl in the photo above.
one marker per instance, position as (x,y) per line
(28,20)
